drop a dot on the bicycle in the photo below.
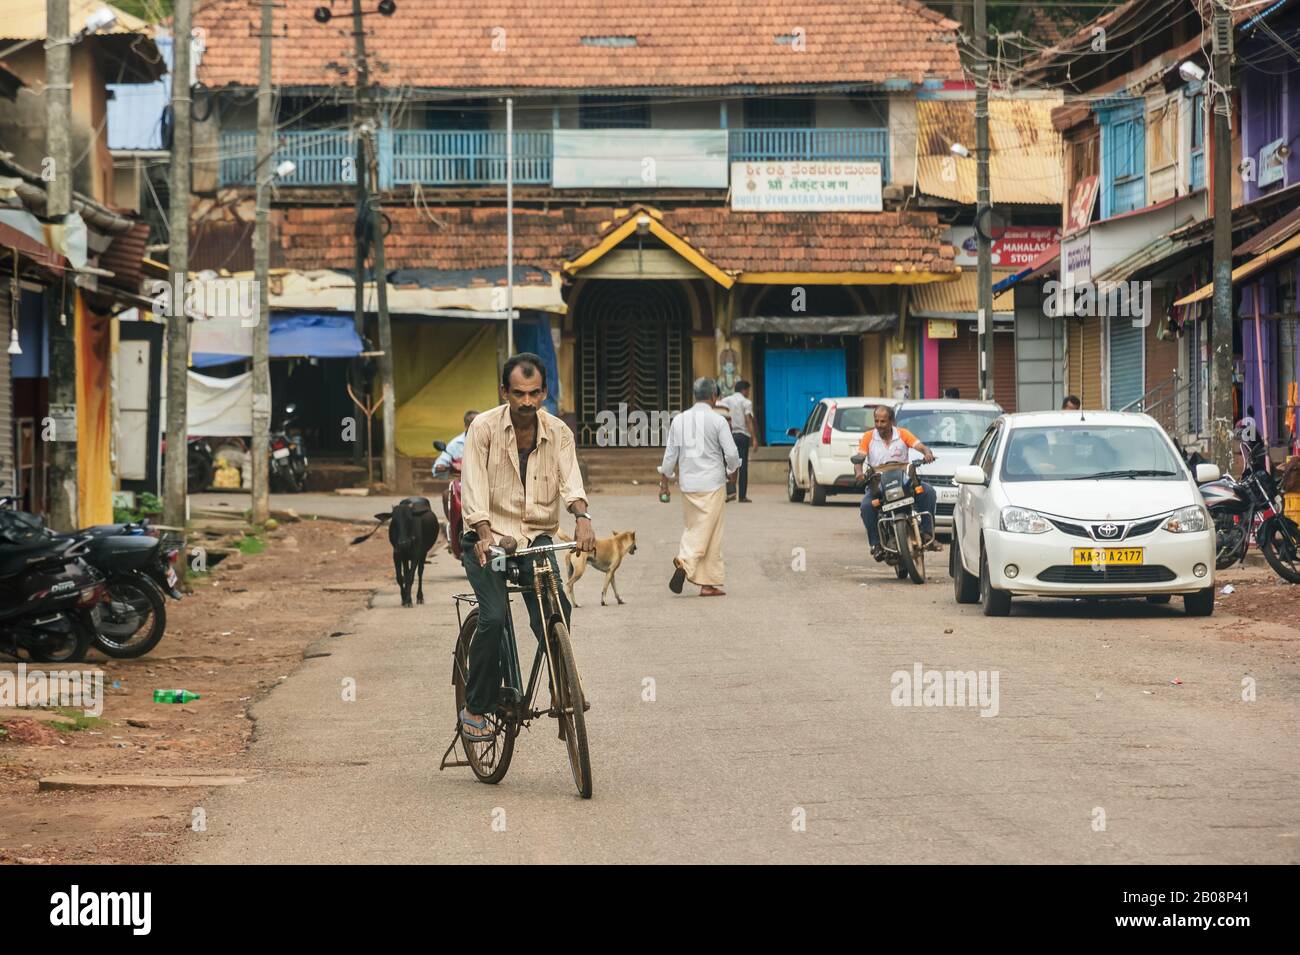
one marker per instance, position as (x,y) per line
(490,759)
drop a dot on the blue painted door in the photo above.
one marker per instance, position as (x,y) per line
(795,380)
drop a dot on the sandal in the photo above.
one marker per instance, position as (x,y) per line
(678,578)
(484,732)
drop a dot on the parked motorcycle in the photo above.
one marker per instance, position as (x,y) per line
(451,504)
(49,596)
(894,493)
(1237,506)
(138,569)
(288,457)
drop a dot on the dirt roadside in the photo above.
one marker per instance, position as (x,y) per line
(243,630)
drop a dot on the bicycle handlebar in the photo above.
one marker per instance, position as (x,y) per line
(532,551)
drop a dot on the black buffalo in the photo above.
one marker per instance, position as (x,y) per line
(412,530)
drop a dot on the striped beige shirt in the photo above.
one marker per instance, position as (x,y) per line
(492,489)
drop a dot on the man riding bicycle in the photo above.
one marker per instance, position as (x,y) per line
(520,462)
(888,446)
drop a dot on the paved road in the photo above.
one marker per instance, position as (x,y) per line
(774,705)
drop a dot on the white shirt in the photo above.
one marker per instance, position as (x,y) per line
(738,406)
(700,449)
(892,450)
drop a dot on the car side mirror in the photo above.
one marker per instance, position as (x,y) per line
(970,474)
(1205,473)
(792,432)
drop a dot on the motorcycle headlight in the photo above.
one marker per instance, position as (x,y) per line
(1019,520)
(893,493)
(1186,519)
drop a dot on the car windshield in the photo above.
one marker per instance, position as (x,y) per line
(947,427)
(855,420)
(1089,452)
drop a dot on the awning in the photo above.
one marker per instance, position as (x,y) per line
(813,324)
(1258,264)
(1152,254)
(957,300)
(327,335)
(327,290)
(1045,264)
(1272,235)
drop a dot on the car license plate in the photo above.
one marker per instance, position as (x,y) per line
(279,453)
(171,577)
(894,505)
(1107,556)
(947,495)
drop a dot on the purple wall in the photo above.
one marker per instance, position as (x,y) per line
(1261,75)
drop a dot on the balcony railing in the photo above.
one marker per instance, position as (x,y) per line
(815,145)
(478,157)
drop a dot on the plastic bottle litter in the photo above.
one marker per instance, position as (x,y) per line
(174,696)
(1228,589)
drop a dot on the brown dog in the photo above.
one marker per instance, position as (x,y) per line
(609,554)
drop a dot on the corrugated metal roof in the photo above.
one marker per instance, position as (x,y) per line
(1266,238)
(1025,157)
(959,297)
(1153,253)
(135,111)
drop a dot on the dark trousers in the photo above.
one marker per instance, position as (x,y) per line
(925,501)
(486,652)
(742,446)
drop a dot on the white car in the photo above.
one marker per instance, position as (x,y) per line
(951,428)
(1081,504)
(820,462)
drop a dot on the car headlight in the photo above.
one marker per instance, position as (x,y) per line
(1019,520)
(1186,519)
(893,493)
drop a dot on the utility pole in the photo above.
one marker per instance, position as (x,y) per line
(264,171)
(1221,333)
(373,219)
(510,226)
(175,509)
(983,207)
(62,327)
(361,231)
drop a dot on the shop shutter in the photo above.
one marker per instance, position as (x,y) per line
(1004,370)
(959,362)
(1126,362)
(1090,391)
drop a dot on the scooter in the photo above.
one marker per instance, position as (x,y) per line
(49,596)
(451,504)
(901,536)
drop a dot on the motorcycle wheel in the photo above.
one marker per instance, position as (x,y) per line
(116,636)
(72,649)
(1279,540)
(910,550)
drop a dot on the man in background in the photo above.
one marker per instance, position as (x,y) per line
(455,449)
(740,409)
(1071,403)
(701,453)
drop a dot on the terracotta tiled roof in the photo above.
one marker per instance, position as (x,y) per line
(584,43)
(471,238)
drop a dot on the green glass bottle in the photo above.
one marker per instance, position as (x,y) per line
(174,696)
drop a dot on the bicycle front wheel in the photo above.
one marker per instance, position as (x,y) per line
(489,760)
(571,704)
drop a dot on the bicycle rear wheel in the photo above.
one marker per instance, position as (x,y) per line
(571,705)
(489,760)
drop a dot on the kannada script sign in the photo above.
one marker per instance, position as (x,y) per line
(806,186)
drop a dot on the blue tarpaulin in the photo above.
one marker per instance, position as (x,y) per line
(306,335)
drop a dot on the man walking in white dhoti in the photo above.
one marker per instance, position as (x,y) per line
(702,455)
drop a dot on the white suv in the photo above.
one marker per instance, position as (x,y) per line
(820,462)
(951,428)
(1081,504)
